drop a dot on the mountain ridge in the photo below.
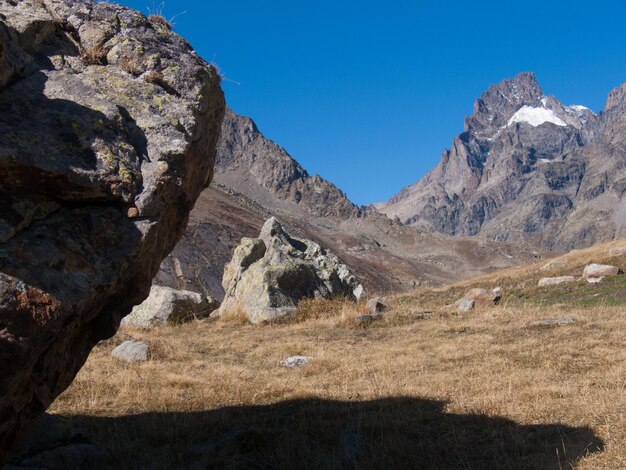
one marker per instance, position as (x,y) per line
(516,170)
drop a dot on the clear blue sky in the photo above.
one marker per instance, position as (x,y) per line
(369,94)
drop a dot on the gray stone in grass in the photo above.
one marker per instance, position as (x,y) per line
(295,361)
(131,351)
(465,305)
(377,305)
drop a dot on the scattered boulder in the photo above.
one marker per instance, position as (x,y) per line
(617,251)
(295,361)
(555,281)
(109,129)
(170,306)
(478,297)
(553,264)
(377,306)
(483,295)
(269,275)
(55,444)
(599,270)
(131,351)
(465,305)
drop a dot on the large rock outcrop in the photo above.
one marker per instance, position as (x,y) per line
(108,127)
(269,275)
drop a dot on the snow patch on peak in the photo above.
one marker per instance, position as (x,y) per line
(535,117)
(579,109)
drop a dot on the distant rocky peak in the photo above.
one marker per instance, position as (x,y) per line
(616,99)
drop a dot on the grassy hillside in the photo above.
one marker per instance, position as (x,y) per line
(424,388)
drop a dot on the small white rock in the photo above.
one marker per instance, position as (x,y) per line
(295,361)
(555,281)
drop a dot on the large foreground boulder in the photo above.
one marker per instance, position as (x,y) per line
(108,128)
(167,306)
(269,275)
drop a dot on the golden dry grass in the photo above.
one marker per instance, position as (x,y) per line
(485,389)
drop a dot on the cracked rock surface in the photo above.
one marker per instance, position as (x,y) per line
(108,129)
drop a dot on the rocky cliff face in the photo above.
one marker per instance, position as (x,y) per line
(526,168)
(264,172)
(109,125)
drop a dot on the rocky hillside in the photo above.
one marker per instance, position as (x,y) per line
(527,168)
(264,172)
(256,178)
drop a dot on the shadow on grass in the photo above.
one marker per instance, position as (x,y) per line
(389,433)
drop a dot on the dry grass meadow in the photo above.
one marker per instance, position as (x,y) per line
(424,388)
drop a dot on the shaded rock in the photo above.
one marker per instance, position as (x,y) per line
(55,444)
(165,305)
(86,142)
(465,305)
(599,270)
(377,306)
(295,361)
(131,351)
(553,322)
(617,251)
(269,275)
(555,281)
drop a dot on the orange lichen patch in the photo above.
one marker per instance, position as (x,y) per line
(41,307)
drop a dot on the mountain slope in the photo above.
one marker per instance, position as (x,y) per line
(526,168)
(255,178)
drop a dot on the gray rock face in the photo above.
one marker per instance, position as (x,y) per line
(131,351)
(165,305)
(269,275)
(108,128)
(527,168)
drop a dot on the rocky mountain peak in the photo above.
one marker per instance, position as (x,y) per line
(496,105)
